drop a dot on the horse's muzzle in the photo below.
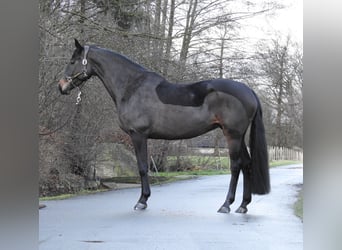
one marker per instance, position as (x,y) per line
(63,86)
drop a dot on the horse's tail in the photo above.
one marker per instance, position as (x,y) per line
(259,154)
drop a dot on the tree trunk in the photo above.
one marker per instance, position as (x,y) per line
(223,40)
(81,21)
(156,31)
(280,84)
(169,38)
(190,20)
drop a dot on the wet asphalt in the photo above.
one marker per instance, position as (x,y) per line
(180,215)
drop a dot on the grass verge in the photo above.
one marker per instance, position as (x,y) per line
(67,196)
(283,163)
(298,205)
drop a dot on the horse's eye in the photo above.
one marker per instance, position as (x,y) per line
(72,62)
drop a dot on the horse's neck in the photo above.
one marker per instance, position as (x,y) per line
(116,73)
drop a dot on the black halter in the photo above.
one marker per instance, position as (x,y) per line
(84,71)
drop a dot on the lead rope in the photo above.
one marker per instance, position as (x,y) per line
(79,98)
(78,101)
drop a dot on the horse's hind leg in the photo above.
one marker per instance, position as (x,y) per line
(234,145)
(247,179)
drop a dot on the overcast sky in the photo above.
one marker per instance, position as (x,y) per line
(287,21)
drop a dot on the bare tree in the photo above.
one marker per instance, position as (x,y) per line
(200,21)
(281,76)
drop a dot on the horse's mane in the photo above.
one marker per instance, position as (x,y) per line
(123,59)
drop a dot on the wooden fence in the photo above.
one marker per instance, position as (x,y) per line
(281,153)
(274,153)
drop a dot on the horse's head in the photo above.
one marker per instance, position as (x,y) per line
(77,71)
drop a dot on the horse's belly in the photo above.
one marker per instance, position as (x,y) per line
(181,123)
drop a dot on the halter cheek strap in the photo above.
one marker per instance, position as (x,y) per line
(84,63)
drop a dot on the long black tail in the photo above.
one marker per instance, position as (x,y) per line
(259,155)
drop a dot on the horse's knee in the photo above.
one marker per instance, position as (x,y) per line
(142,173)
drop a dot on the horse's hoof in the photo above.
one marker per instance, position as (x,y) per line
(140,206)
(241,210)
(41,206)
(224,210)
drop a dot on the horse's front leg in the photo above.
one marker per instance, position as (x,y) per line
(140,147)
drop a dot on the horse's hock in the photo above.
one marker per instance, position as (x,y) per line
(114,160)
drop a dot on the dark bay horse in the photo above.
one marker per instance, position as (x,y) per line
(148,106)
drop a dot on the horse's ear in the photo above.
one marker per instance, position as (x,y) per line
(78,45)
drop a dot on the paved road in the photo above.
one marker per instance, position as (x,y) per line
(180,215)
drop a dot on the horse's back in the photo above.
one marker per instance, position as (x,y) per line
(219,94)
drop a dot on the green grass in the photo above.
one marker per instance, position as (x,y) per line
(67,196)
(282,163)
(194,160)
(213,171)
(194,172)
(216,161)
(298,205)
